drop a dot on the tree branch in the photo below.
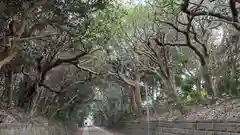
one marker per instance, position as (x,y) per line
(7,59)
(232,4)
(187,40)
(127,81)
(83,68)
(50,89)
(40,26)
(62,61)
(37,37)
(65,105)
(26,14)
(234,11)
(155,60)
(169,44)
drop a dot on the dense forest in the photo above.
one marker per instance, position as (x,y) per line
(67,59)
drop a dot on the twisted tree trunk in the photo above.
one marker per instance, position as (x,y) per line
(136,93)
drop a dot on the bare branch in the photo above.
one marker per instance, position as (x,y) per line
(7,59)
(187,38)
(232,4)
(62,61)
(155,60)
(37,37)
(50,89)
(41,25)
(127,81)
(83,68)
(169,44)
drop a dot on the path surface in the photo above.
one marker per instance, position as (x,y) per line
(94,131)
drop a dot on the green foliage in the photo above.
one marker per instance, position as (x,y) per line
(229,83)
(194,97)
(103,26)
(111,108)
(167,6)
(187,86)
(189,94)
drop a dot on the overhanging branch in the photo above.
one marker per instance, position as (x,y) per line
(37,37)
(232,4)
(50,89)
(62,61)
(187,40)
(127,81)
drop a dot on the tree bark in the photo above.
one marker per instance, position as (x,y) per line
(215,86)
(136,97)
(170,91)
(198,82)
(208,81)
(137,93)
(36,100)
(28,95)
(134,104)
(9,87)
(45,105)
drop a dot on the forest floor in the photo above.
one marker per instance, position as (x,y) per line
(15,115)
(221,110)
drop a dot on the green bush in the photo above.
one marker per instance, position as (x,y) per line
(189,94)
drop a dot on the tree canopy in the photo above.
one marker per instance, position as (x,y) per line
(70,59)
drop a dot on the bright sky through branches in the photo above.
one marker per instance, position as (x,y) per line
(133,2)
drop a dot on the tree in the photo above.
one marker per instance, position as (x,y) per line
(37,51)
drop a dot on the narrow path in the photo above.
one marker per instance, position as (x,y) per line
(94,131)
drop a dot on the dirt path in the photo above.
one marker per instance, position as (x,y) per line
(95,131)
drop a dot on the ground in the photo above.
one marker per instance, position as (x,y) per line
(222,110)
(226,109)
(94,130)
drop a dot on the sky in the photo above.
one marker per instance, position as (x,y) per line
(132,2)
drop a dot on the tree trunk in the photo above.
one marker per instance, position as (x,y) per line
(123,99)
(4,93)
(208,81)
(215,86)
(9,87)
(134,104)
(198,82)
(137,94)
(8,91)
(138,98)
(27,95)
(170,92)
(45,105)
(35,101)
(234,76)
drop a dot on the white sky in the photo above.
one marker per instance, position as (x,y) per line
(132,2)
